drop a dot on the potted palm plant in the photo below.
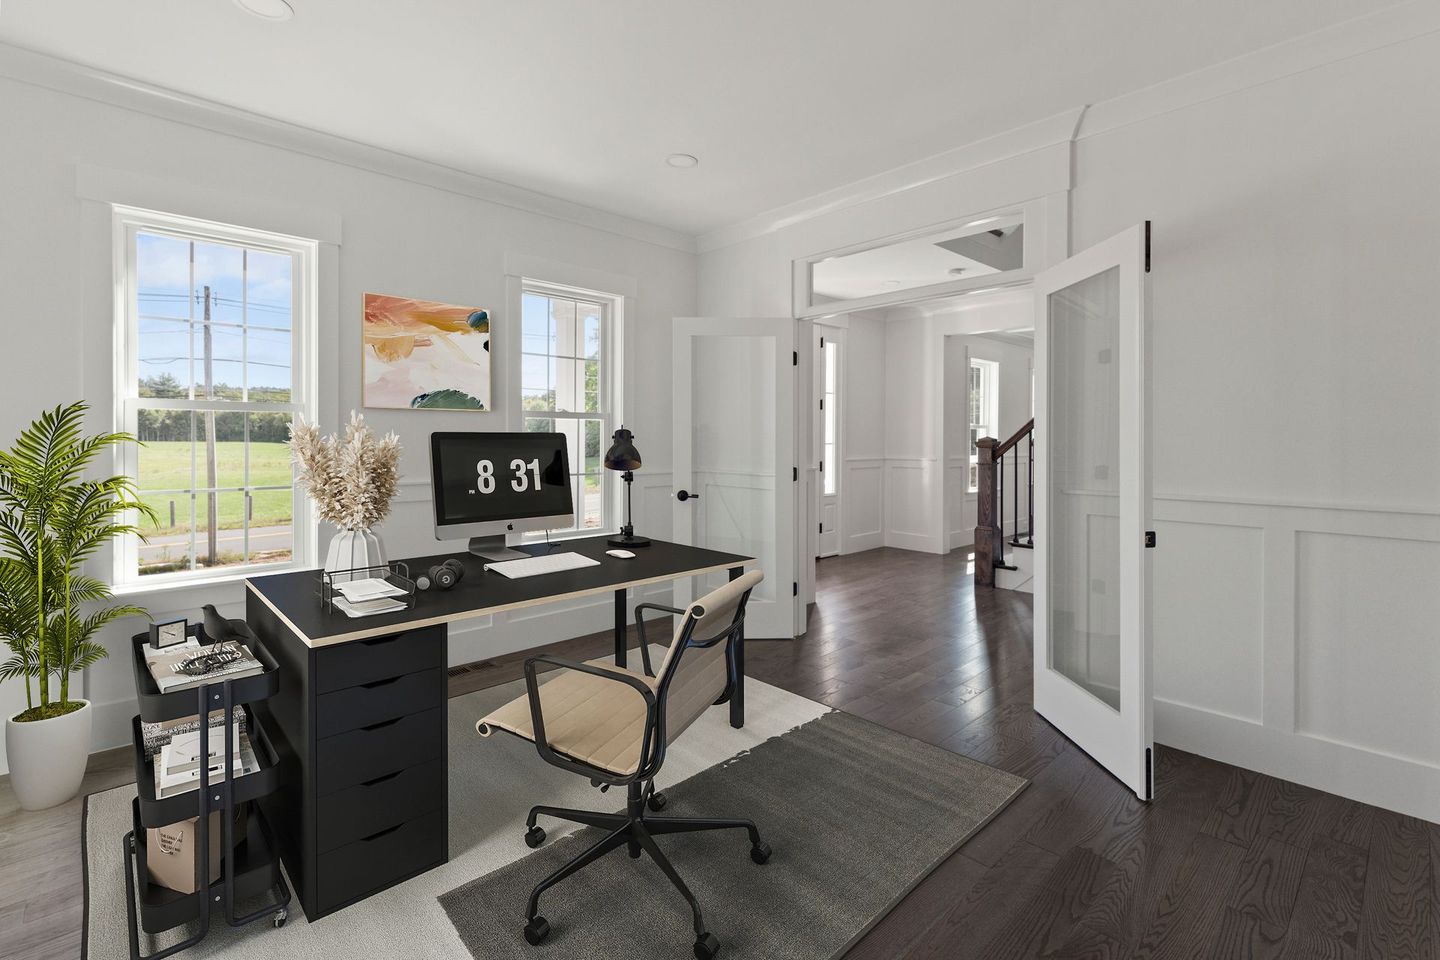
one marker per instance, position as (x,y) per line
(52,519)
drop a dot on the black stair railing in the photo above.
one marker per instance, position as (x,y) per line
(991,518)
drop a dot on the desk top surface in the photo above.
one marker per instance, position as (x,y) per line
(295,597)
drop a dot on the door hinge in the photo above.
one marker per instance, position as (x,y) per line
(794,358)
(795,474)
(822,403)
(822,528)
(794,589)
(1147,246)
(1149,538)
(822,343)
(822,466)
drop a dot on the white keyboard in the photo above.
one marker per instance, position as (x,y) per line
(545,563)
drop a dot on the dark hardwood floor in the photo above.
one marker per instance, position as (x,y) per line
(1225,863)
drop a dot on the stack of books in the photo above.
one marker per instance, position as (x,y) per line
(191,664)
(177,766)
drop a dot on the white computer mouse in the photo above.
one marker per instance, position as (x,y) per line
(620,554)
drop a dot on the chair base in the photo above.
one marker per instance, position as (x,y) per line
(635,830)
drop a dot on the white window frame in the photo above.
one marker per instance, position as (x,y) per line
(610,400)
(990,401)
(127,223)
(830,412)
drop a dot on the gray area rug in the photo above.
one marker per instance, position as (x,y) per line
(856,815)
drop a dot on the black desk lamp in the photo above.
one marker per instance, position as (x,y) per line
(622,455)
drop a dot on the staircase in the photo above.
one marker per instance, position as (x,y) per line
(1005,521)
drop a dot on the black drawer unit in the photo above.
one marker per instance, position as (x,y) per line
(380,860)
(359,755)
(359,728)
(367,808)
(377,701)
(378,658)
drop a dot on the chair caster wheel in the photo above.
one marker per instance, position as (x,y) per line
(534,837)
(707,947)
(657,802)
(279,919)
(536,931)
(760,852)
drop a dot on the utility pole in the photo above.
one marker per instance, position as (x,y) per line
(210,511)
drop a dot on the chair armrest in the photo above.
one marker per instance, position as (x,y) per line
(537,718)
(640,627)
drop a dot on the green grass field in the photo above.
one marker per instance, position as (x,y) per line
(165,465)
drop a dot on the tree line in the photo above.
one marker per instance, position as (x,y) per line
(161,425)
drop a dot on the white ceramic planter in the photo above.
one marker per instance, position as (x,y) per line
(350,549)
(47,757)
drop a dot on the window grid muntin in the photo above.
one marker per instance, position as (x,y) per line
(130,224)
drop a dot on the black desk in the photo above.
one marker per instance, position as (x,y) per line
(359,721)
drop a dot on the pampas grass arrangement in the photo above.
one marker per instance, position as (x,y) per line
(351,478)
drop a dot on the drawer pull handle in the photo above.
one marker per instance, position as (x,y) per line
(382,724)
(373,684)
(377,641)
(377,836)
(388,776)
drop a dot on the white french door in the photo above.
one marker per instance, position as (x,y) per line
(1092,504)
(735,465)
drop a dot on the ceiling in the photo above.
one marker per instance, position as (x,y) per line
(974,250)
(583,99)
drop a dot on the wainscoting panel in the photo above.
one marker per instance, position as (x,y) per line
(1212,626)
(862,510)
(910,485)
(1368,655)
(1300,640)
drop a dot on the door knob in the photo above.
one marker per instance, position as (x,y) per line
(684,495)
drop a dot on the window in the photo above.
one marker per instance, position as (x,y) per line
(984,411)
(567,386)
(212,373)
(830,442)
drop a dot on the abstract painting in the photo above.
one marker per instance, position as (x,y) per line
(425,356)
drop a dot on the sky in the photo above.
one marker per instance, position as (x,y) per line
(250,312)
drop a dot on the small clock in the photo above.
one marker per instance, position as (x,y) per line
(164,635)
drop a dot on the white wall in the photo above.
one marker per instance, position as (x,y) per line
(388,233)
(1296,407)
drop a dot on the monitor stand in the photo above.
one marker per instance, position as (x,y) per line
(493,548)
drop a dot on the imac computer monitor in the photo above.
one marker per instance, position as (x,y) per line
(489,484)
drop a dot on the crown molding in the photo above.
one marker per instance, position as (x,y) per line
(1033,136)
(1332,44)
(65,76)
(1350,38)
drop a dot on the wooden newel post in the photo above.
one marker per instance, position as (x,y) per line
(988,544)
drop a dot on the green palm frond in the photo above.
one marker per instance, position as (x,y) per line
(52,520)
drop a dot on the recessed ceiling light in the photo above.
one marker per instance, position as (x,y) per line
(890,283)
(267,9)
(682,160)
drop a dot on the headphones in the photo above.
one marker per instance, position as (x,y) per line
(442,576)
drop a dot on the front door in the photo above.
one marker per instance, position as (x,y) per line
(736,473)
(1092,496)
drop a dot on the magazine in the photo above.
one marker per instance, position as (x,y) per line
(188,665)
(156,735)
(170,782)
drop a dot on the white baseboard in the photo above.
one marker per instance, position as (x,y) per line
(861,542)
(1364,775)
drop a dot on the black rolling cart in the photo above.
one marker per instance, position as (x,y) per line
(250,866)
